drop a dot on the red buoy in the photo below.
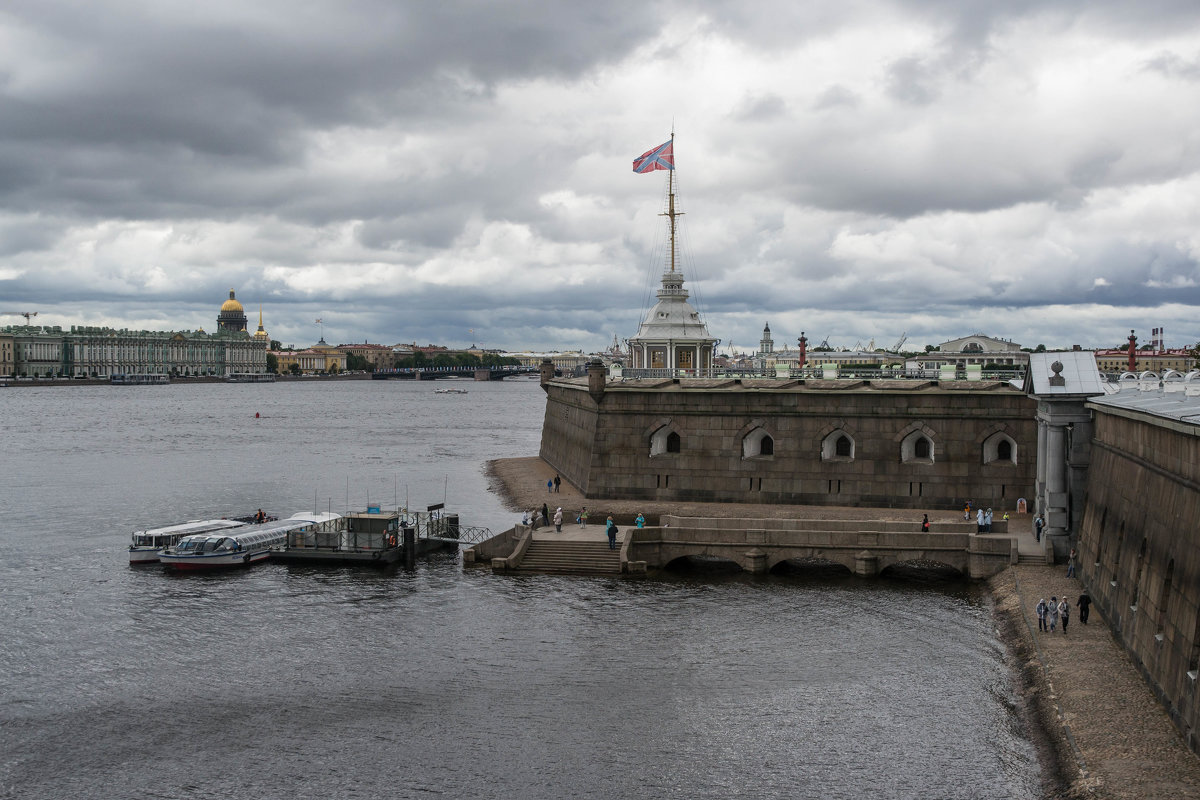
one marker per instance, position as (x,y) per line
(256,415)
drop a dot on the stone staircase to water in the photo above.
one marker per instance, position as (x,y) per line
(571,557)
(1028,558)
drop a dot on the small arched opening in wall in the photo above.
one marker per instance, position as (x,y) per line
(917,448)
(999,448)
(758,443)
(838,446)
(665,440)
(705,564)
(922,571)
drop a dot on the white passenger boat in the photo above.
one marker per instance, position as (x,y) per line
(242,546)
(146,544)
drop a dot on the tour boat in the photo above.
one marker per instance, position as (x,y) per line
(449,391)
(146,544)
(241,546)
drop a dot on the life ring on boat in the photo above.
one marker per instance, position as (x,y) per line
(392,540)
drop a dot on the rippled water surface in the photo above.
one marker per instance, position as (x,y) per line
(297,682)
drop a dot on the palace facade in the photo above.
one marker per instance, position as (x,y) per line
(83,351)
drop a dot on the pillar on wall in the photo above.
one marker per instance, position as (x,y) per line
(546,372)
(597,376)
(1064,442)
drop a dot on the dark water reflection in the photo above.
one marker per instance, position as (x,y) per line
(286,681)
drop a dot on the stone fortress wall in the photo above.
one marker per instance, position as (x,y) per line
(1139,548)
(613,442)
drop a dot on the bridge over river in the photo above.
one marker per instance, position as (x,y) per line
(864,547)
(434,373)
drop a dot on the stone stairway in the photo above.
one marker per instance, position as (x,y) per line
(1028,558)
(571,557)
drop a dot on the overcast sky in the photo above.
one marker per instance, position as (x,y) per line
(460,172)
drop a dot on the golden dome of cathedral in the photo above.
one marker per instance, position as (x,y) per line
(231,304)
(232,316)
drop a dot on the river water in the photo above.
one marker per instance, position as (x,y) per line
(297,682)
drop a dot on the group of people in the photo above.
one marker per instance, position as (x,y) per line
(983,521)
(535,518)
(554,484)
(1050,614)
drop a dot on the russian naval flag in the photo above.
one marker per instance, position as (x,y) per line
(661,157)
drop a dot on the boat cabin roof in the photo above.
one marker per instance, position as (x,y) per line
(192,527)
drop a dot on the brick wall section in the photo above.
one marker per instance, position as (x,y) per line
(604,447)
(1140,522)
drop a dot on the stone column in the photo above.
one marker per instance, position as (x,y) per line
(1056,534)
(1039,491)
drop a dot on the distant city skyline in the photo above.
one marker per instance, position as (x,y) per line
(412,171)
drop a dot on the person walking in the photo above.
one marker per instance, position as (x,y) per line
(1064,611)
(558,521)
(557,483)
(549,485)
(1041,615)
(979,521)
(582,518)
(1052,613)
(987,521)
(1071,564)
(545,514)
(925,524)
(1084,602)
(611,530)
(1037,528)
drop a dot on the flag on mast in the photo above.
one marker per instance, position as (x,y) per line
(661,157)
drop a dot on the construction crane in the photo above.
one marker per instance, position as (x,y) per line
(903,338)
(25,314)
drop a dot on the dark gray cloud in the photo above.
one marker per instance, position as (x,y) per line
(871,167)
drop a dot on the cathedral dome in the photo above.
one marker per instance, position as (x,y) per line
(231,304)
(232,316)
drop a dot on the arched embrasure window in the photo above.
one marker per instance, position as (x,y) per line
(664,440)
(838,446)
(917,448)
(999,447)
(758,444)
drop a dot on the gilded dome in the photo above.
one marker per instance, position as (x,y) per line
(232,304)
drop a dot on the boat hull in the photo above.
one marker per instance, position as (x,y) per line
(205,561)
(143,555)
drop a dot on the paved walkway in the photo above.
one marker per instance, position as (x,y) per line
(1115,739)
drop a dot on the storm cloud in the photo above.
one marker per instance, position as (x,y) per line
(460,172)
